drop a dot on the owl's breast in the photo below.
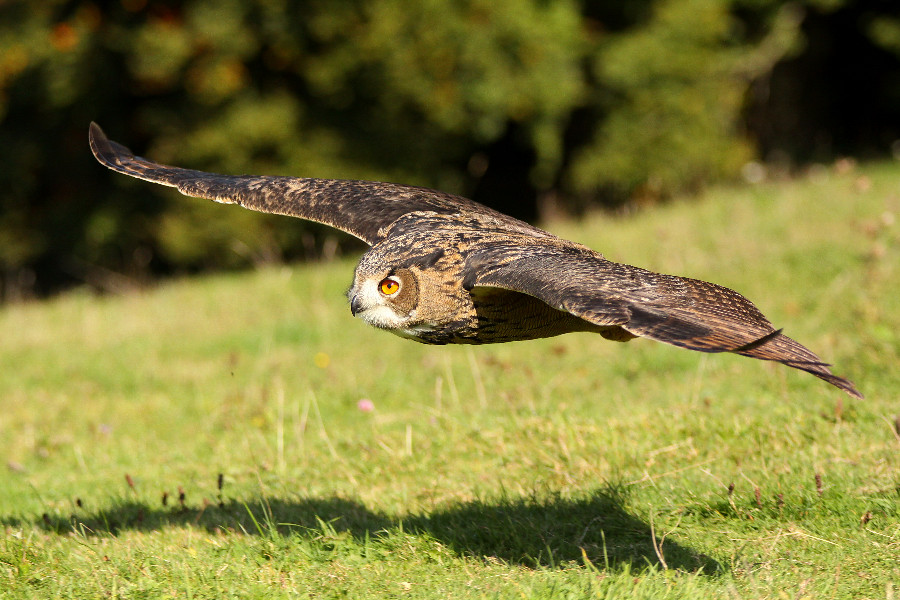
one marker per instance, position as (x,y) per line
(506,316)
(459,331)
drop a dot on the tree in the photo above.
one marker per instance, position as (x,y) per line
(506,101)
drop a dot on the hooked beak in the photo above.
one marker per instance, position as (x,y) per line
(355,305)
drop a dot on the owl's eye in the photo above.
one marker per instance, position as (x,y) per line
(389,286)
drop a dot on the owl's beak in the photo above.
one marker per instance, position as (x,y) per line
(355,305)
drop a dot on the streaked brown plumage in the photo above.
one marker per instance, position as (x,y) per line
(446,270)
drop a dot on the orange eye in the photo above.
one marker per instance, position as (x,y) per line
(389,286)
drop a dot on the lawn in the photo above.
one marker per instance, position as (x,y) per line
(243,436)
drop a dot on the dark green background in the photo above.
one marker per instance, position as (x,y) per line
(529,106)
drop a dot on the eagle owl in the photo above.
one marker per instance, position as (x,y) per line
(443,269)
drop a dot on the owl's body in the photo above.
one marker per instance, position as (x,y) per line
(446,270)
(433,253)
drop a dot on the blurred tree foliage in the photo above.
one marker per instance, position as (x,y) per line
(507,101)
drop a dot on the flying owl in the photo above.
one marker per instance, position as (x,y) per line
(443,269)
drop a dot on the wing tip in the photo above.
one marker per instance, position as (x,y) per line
(842,383)
(786,350)
(107,152)
(98,141)
(852,391)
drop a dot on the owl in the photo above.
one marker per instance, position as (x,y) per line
(442,269)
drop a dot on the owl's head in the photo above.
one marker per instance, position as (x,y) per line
(385,297)
(418,296)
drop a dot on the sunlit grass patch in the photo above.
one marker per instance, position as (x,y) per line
(242,435)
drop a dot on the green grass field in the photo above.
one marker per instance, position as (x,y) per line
(571,467)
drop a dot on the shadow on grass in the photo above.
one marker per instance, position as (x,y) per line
(525,531)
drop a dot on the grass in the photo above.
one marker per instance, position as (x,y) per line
(564,468)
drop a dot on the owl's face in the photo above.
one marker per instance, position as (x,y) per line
(385,298)
(416,296)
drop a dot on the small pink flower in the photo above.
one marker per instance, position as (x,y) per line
(365,405)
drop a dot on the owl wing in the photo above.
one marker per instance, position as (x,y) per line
(684,312)
(361,208)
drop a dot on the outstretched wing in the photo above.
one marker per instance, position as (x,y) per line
(689,313)
(361,208)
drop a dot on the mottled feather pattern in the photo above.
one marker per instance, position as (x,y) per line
(332,202)
(470,274)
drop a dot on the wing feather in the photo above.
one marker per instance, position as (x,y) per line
(684,312)
(363,209)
